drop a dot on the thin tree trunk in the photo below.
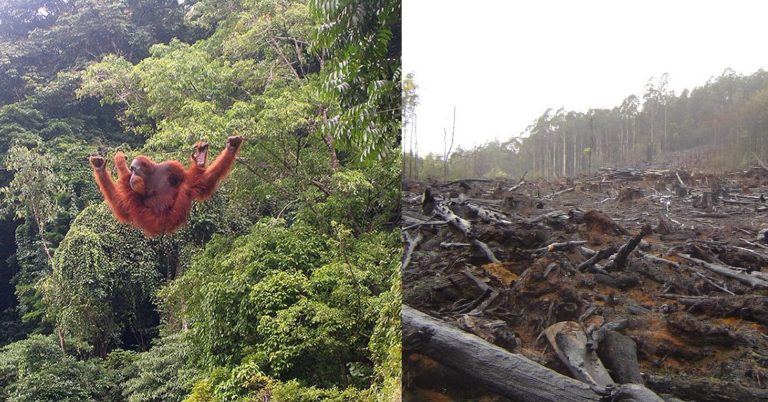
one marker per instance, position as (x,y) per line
(634,131)
(447,148)
(652,131)
(41,231)
(416,144)
(666,144)
(410,157)
(554,157)
(60,335)
(565,172)
(329,143)
(573,162)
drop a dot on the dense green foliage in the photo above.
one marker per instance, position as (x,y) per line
(719,125)
(363,41)
(36,370)
(285,284)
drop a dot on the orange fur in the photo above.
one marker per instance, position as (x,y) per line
(160,201)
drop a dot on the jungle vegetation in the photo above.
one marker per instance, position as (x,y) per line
(285,285)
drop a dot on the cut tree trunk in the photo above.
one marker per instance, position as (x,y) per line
(508,374)
(619,353)
(569,341)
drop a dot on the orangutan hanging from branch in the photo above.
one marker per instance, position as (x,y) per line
(157,197)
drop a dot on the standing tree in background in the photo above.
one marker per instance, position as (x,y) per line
(628,111)
(33,190)
(652,98)
(716,125)
(410,101)
(664,94)
(447,148)
(656,95)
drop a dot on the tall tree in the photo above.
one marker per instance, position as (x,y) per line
(34,190)
(410,102)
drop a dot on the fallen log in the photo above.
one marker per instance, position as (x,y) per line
(446,244)
(411,243)
(558,246)
(463,226)
(586,251)
(557,216)
(486,298)
(567,190)
(631,392)
(486,215)
(571,345)
(620,260)
(486,250)
(508,374)
(619,353)
(739,202)
(414,224)
(763,259)
(696,270)
(659,260)
(457,222)
(465,181)
(753,308)
(707,389)
(731,272)
(699,214)
(588,264)
(519,183)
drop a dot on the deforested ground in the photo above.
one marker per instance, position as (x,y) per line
(657,278)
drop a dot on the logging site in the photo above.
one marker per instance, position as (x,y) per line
(583,203)
(647,284)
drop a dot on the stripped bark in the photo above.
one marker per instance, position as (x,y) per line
(731,272)
(463,226)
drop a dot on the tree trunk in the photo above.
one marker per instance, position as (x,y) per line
(416,146)
(60,335)
(41,231)
(652,118)
(666,145)
(565,172)
(634,131)
(508,374)
(447,148)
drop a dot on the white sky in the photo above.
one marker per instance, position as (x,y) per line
(503,63)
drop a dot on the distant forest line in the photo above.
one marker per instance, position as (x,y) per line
(718,126)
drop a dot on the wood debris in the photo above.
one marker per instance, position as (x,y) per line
(635,283)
